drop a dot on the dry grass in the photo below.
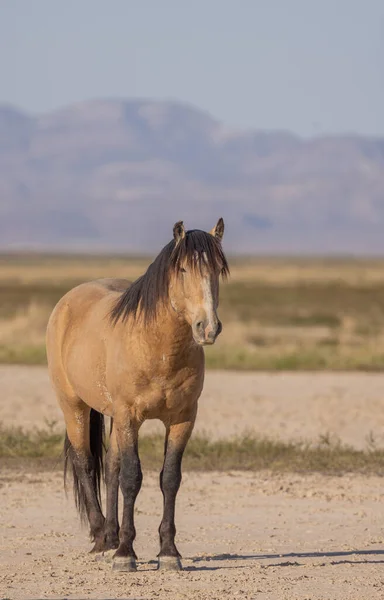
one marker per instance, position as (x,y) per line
(22,336)
(56,269)
(277,313)
(245,453)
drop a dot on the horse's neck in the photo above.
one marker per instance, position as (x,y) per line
(173,331)
(168,334)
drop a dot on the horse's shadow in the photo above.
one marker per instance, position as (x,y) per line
(284,563)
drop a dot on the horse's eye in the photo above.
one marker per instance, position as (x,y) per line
(183,270)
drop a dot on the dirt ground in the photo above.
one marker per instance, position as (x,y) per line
(241,535)
(246,535)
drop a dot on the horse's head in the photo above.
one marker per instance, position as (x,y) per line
(185,276)
(198,261)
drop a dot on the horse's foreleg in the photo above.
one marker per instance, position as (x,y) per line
(130,484)
(170,479)
(112,470)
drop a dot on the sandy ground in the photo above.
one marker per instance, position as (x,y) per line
(278,405)
(241,535)
(246,535)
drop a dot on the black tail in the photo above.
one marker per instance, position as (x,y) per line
(95,465)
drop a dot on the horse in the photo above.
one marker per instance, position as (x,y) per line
(131,352)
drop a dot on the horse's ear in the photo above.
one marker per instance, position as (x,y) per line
(178,231)
(218,230)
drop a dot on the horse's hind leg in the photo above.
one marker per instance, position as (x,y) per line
(170,479)
(112,470)
(83,449)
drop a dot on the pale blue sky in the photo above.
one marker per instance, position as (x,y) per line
(310,66)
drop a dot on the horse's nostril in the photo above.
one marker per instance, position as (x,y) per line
(199,325)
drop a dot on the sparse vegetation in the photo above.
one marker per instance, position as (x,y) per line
(41,443)
(277,314)
(245,453)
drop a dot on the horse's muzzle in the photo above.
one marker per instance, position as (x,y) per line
(205,333)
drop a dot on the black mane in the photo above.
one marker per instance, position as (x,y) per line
(144,295)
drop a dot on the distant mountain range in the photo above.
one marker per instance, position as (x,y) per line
(115,175)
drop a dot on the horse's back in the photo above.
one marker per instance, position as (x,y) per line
(76,304)
(111,284)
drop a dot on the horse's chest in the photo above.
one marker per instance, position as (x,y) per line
(164,394)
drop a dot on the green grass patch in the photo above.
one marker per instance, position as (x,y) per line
(305,304)
(243,453)
(23,355)
(313,320)
(15,296)
(324,357)
(40,443)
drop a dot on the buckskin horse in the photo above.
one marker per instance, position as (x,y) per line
(134,352)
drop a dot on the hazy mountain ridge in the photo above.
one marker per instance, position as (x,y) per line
(114,174)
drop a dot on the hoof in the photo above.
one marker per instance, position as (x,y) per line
(126,564)
(169,563)
(105,556)
(97,548)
